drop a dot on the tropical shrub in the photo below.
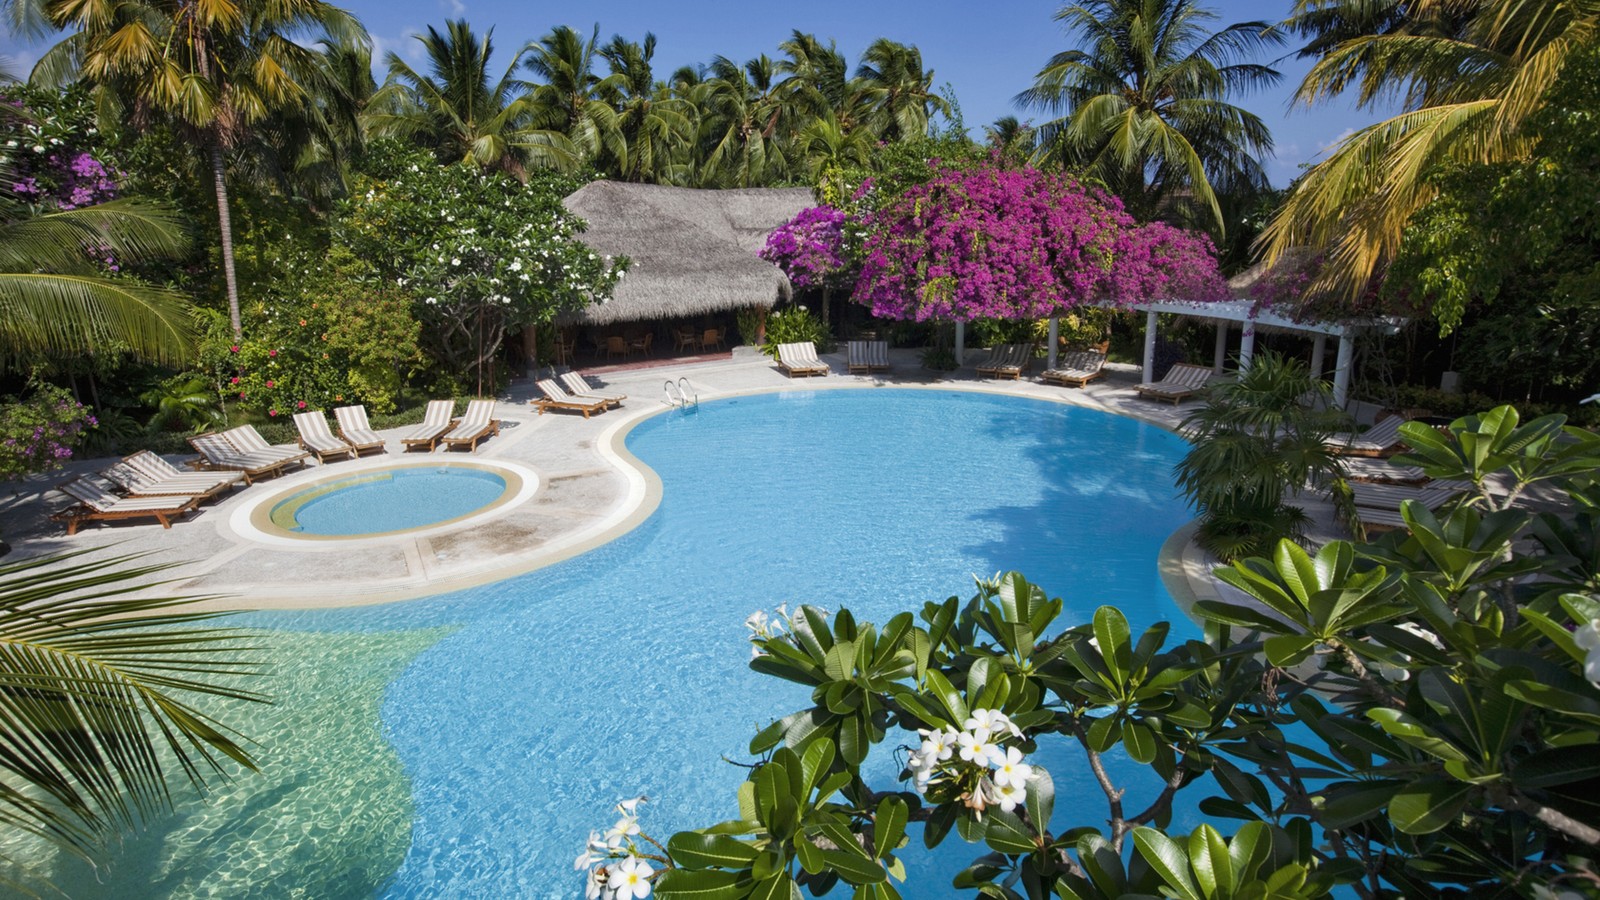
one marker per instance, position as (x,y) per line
(987,242)
(752,324)
(1257,441)
(795,325)
(39,430)
(1406,717)
(810,248)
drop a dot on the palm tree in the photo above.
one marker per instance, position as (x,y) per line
(56,299)
(745,121)
(459,112)
(1013,138)
(571,100)
(216,71)
(1142,106)
(1469,74)
(898,90)
(649,118)
(90,685)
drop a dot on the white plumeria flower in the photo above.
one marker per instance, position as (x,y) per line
(1009,795)
(1588,638)
(757,622)
(1009,767)
(626,827)
(595,887)
(630,878)
(937,746)
(631,807)
(587,857)
(975,747)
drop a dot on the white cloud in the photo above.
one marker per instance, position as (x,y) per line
(1337,140)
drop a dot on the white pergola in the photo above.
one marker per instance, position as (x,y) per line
(1245,312)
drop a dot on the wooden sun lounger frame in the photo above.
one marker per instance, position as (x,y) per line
(1076,369)
(491,426)
(138,484)
(573,381)
(1181,382)
(1007,361)
(867,356)
(556,398)
(360,434)
(430,439)
(81,512)
(800,358)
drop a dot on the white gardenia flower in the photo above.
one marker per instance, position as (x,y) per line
(1009,769)
(630,878)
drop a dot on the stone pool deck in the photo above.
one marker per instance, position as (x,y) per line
(590,490)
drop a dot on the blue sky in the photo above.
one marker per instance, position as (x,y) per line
(986,51)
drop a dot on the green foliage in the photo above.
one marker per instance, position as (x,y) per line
(752,323)
(994,332)
(323,337)
(185,402)
(795,325)
(1254,440)
(39,431)
(1507,252)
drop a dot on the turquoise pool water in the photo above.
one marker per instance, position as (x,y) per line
(394,499)
(533,705)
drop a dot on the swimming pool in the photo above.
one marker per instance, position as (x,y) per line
(388,500)
(515,715)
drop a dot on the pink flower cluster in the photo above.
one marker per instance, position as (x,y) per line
(810,248)
(71,183)
(990,242)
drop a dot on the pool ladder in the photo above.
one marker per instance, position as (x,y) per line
(680,394)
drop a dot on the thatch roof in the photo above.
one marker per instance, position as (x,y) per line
(692,251)
(1292,260)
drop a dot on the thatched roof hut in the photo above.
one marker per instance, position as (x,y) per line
(692,251)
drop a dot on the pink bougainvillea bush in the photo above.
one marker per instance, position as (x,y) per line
(810,248)
(991,242)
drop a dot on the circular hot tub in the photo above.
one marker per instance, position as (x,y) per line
(388,500)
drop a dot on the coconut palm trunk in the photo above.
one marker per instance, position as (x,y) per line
(225,225)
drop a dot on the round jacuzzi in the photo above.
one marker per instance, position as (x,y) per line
(388,500)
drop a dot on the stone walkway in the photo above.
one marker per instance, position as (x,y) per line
(590,490)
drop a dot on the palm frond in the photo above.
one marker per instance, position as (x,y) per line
(42,313)
(87,675)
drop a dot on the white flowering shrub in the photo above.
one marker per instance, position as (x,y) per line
(482,253)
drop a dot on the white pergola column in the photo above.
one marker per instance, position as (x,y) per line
(1341,371)
(1247,346)
(961,341)
(1055,335)
(1150,346)
(1219,357)
(1319,352)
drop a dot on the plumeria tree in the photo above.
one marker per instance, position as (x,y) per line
(990,242)
(811,249)
(483,253)
(1382,719)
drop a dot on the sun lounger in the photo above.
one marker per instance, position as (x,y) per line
(579,386)
(477,424)
(355,430)
(800,359)
(1076,369)
(1181,382)
(1378,505)
(1382,439)
(247,440)
(96,503)
(556,398)
(868,356)
(1008,361)
(436,420)
(315,436)
(216,452)
(1382,471)
(138,482)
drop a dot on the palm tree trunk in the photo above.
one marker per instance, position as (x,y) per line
(225,223)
